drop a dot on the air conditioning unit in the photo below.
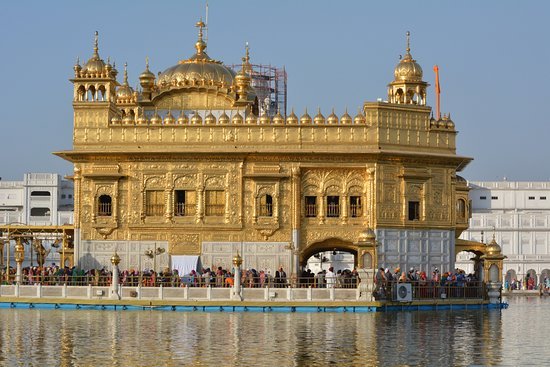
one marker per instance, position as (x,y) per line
(403,292)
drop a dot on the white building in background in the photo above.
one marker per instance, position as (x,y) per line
(518,215)
(41,199)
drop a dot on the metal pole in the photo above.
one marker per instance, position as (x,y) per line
(8,258)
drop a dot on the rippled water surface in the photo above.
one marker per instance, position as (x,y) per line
(512,337)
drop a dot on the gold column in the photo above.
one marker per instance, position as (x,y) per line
(76,196)
(19,258)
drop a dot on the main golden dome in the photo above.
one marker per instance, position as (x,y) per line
(198,70)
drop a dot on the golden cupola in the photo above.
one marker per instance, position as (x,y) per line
(125,93)
(95,66)
(407,86)
(147,81)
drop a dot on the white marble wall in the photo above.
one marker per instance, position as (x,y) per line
(421,249)
(97,254)
(267,256)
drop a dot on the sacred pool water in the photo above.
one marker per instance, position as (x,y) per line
(509,337)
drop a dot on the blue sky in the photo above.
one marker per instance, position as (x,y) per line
(493,58)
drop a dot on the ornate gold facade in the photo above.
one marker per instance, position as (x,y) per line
(185,161)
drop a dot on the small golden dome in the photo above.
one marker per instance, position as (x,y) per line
(251,118)
(142,119)
(292,119)
(169,118)
(147,78)
(128,119)
(367,235)
(346,118)
(408,69)
(77,68)
(278,119)
(305,119)
(182,118)
(450,123)
(210,119)
(493,248)
(196,119)
(224,119)
(95,64)
(319,119)
(115,120)
(332,119)
(265,119)
(359,119)
(125,91)
(156,119)
(237,119)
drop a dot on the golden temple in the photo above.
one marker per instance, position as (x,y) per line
(190,164)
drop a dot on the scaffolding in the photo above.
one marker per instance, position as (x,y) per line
(269,82)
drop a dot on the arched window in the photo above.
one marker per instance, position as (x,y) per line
(266,206)
(461,209)
(104,206)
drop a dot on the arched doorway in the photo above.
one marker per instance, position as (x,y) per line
(471,263)
(511,279)
(531,280)
(319,257)
(544,275)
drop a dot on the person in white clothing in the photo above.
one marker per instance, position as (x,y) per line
(330,278)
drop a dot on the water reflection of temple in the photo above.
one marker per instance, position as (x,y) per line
(66,338)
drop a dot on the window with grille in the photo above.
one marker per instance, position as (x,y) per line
(154,203)
(104,206)
(185,203)
(333,206)
(355,208)
(311,206)
(266,206)
(214,202)
(414,210)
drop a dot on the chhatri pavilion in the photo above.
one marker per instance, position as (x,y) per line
(189,166)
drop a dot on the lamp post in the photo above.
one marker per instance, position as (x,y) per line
(237,261)
(115,260)
(19,257)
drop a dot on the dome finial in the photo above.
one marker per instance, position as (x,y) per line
(200,45)
(147,63)
(96,47)
(125,73)
(247,52)
(408,42)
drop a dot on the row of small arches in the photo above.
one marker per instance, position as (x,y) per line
(236,119)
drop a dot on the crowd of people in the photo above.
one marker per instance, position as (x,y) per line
(204,277)
(452,283)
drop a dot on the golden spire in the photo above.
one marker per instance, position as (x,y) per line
(96,48)
(200,46)
(408,56)
(125,81)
